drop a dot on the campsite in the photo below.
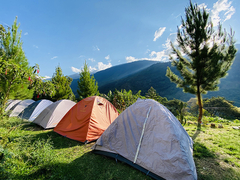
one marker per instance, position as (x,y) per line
(36,152)
(155,94)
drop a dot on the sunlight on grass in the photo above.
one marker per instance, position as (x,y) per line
(34,153)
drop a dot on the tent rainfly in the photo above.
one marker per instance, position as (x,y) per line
(21,106)
(12,105)
(52,114)
(149,137)
(87,120)
(39,108)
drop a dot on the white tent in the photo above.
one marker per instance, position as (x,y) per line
(12,105)
(21,106)
(40,107)
(148,137)
(52,114)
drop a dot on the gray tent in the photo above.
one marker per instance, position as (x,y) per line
(148,137)
(39,108)
(26,114)
(12,105)
(20,107)
(51,115)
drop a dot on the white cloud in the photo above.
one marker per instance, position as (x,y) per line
(203,5)
(92,69)
(161,55)
(46,77)
(131,59)
(107,57)
(81,56)
(95,48)
(91,59)
(102,66)
(26,33)
(219,6)
(54,57)
(76,70)
(229,13)
(35,46)
(159,33)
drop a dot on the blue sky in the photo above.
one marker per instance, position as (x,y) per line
(104,33)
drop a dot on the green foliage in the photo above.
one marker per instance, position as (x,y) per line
(152,94)
(86,84)
(200,151)
(175,106)
(122,99)
(236,121)
(62,86)
(219,106)
(43,89)
(209,54)
(181,113)
(15,72)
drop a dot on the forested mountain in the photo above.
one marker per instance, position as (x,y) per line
(129,76)
(114,73)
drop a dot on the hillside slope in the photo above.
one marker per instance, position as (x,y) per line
(115,73)
(155,76)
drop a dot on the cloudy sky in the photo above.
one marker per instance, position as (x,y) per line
(104,33)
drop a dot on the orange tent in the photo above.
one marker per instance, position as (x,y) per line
(87,120)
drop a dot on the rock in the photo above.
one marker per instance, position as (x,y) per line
(220,126)
(235,127)
(190,122)
(213,125)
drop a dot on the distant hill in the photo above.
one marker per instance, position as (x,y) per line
(155,76)
(141,75)
(114,73)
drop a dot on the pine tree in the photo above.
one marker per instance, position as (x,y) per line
(152,94)
(87,86)
(15,72)
(204,54)
(62,86)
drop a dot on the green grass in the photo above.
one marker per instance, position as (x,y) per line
(33,153)
(216,150)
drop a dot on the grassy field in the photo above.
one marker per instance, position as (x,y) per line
(33,153)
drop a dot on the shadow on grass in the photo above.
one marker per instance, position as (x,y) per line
(31,127)
(196,134)
(90,167)
(57,141)
(208,165)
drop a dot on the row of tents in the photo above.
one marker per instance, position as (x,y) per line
(146,135)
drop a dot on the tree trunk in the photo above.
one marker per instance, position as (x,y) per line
(200,106)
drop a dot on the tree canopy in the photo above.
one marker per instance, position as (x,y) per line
(15,72)
(62,86)
(87,86)
(203,54)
